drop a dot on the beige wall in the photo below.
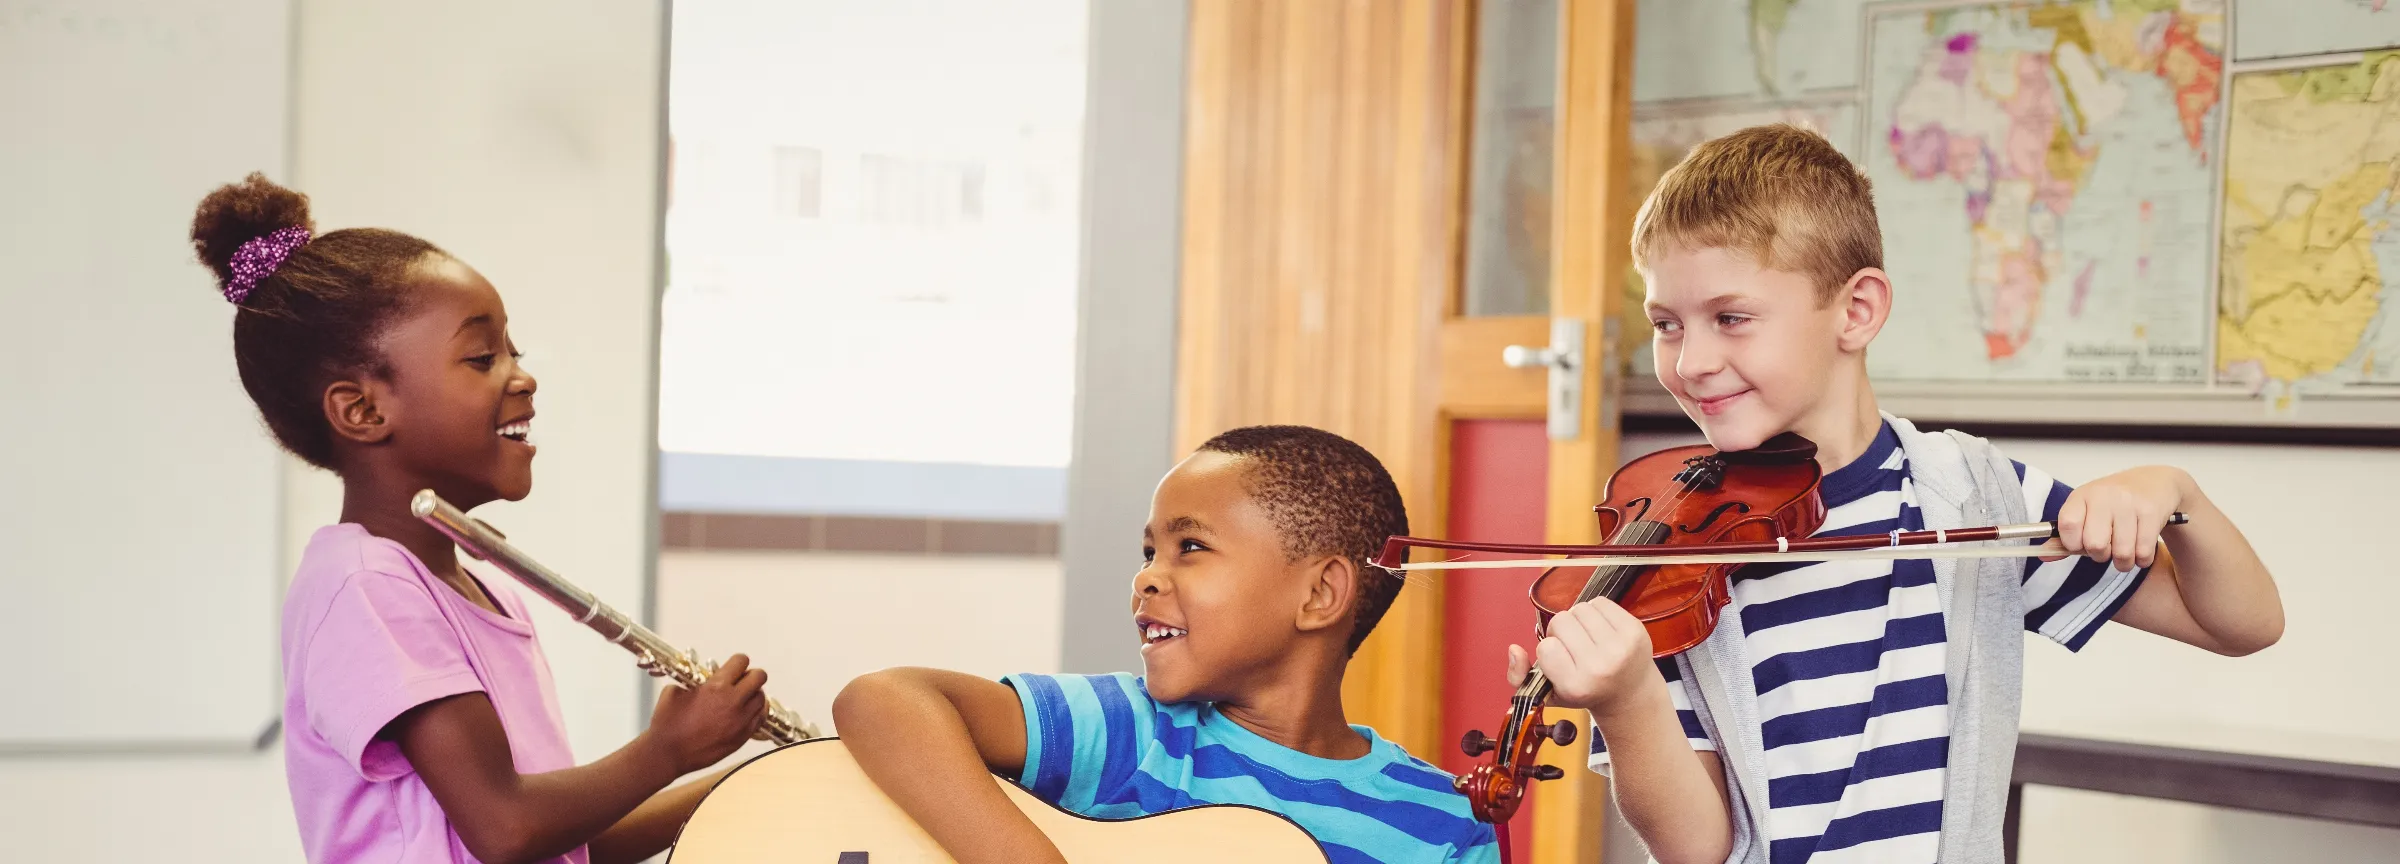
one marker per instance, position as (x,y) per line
(2309,511)
(2067,826)
(522,136)
(2324,692)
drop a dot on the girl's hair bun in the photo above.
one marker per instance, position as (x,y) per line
(237,213)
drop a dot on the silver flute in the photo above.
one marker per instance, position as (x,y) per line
(650,652)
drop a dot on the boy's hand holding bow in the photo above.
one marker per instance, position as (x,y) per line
(2118,518)
(2206,588)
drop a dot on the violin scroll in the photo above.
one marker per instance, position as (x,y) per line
(1492,795)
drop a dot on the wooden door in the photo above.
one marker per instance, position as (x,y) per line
(1350,261)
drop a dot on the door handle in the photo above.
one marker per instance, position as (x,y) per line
(1563,357)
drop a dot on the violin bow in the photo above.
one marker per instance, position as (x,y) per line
(1869,547)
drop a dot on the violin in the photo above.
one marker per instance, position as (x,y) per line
(1680,498)
(1678,523)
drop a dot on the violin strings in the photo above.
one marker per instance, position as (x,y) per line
(1881,554)
(1621,572)
(1411,574)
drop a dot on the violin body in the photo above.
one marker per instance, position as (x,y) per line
(1682,496)
(1693,496)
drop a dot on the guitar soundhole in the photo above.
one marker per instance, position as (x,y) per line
(853,858)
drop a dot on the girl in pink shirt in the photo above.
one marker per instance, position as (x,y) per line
(419,721)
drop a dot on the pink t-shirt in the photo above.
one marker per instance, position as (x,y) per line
(369,633)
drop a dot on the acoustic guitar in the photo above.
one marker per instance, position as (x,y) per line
(808,803)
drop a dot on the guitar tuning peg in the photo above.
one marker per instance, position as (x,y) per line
(1475,743)
(1547,772)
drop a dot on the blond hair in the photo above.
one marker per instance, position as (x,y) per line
(1780,194)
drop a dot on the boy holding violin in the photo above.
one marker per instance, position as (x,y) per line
(1851,710)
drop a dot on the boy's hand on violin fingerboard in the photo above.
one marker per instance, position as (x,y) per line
(1595,654)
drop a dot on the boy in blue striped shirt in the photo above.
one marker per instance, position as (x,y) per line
(1254,593)
(1859,710)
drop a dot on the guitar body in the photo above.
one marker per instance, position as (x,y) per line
(808,803)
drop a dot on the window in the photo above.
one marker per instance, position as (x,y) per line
(873,239)
(799,181)
(899,190)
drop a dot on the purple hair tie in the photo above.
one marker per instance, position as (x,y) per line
(258,258)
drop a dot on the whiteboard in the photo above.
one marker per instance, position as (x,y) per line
(140,497)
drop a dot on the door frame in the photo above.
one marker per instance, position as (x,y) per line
(1590,256)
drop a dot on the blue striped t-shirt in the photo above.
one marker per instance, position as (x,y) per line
(1847,662)
(1100,746)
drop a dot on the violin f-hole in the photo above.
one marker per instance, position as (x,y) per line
(1713,515)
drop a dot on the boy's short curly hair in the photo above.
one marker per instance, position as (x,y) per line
(1327,496)
(1778,193)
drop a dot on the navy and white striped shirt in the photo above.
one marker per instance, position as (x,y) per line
(1848,669)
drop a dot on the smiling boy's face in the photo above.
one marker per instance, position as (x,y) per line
(1218,601)
(1748,351)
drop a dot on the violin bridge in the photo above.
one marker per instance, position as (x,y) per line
(1702,472)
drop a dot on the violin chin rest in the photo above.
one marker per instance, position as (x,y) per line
(1784,448)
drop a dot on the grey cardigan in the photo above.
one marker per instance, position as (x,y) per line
(1961,481)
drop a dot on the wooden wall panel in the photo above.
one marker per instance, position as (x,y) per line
(1321,244)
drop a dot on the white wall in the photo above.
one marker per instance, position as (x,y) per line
(523,137)
(2323,692)
(115,124)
